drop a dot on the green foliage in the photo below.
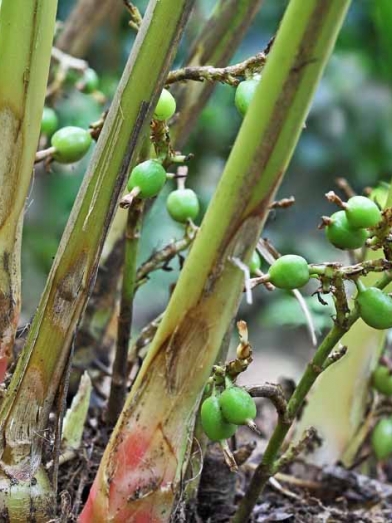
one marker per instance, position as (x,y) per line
(285,311)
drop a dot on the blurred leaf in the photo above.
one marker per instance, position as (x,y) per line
(286,311)
(382,17)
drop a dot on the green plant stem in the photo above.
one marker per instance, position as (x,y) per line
(26,35)
(118,386)
(25,409)
(159,413)
(267,468)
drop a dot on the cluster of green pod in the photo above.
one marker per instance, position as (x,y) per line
(347,229)
(49,122)
(149,177)
(183,205)
(222,413)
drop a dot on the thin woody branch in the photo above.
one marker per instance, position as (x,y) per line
(160,259)
(231,75)
(275,394)
(308,441)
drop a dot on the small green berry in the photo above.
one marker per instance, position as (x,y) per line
(362,213)
(166,106)
(183,205)
(149,177)
(89,81)
(244,94)
(255,263)
(213,422)
(375,308)
(49,121)
(382,380)
(289,272)
(71,144)
(237,405)
(382,438)
(342,235)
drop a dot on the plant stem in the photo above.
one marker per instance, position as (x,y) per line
(45,354)
(119,374)
(156,424)
(266,468)
(26,35)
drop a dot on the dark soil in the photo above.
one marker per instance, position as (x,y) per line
(301,493)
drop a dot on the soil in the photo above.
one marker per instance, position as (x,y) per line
(301,493)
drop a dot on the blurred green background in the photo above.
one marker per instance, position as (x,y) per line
(348,134)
